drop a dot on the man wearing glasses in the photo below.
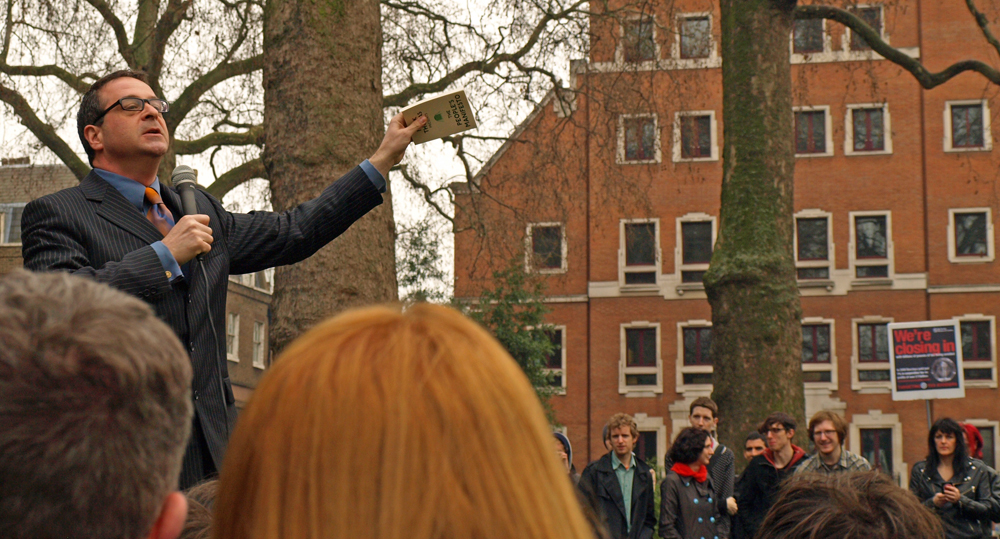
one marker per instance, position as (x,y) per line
(828,431)
(761,481)
(124,227)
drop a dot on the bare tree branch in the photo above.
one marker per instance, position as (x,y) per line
(119,29)
(236,176)
(190,96)
(169,21)
(426,192)
(984,25)
(219,138)
(926,79)
(43,131)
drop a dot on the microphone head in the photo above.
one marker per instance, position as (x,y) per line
(183,174)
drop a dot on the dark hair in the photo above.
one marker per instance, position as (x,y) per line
(707,403)
(201,498)
(753,435)
(839,424)
(781,418)
(90,106)
(947,425)
(688,445)
(854,505)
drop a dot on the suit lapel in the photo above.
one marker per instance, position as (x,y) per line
(113,207)
(638,485)
(173,202)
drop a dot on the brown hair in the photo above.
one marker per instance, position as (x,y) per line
(201,498)
(95,407)
(618,421)
(397,425)
(90,105)
(854,505)
(839,424)
(705,402)
(781,418)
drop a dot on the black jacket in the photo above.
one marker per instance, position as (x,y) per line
(598,481)
(758,489)
(689,509)
(970,517)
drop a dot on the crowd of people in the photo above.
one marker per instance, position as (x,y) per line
(414,423)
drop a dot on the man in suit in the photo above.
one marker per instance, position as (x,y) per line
(622,484)
(123,227)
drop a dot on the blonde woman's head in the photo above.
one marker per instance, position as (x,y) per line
(389,424)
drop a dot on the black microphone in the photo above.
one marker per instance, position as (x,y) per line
(184,181)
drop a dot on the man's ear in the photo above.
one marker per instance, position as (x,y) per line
(94,136)
(173,513)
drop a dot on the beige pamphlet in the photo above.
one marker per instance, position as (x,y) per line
(446,115)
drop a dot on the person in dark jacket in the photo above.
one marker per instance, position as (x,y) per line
(622,484)
(762,479)
(753,445)
(955,486)
(688,507)
(704,415)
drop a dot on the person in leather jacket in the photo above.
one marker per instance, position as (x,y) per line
(958,488)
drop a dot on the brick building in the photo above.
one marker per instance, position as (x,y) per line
(612,193)
(247,306)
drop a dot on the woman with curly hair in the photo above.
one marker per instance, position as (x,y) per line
(687,498)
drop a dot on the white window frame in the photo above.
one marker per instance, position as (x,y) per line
(992,363)
(857,365)
(6,214)
(713,129)
(640,391)
(259,351)
(987,134)
(799,57)
(645,423)
(875,419)
(996,434)
(849,129)
(529,248)
(560,389)
(823,367)
(623,269)
(679,250)
(889,248)
(845,39)
(827,126)
(233,321)
(620,47)
(713,52)
(620,157)
(831,255)
(683,369)
(990,240)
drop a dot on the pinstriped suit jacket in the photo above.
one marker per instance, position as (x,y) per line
(92,230)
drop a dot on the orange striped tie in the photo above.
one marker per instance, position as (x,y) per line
(158,213)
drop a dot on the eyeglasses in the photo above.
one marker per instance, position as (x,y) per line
(826,433)
(134,104)
(777,430)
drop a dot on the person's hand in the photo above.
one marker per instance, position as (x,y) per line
(731,505)
(189,238)
(951,493)
(397,138)
(939,500)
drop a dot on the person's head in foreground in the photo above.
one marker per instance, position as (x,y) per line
(389,424)
(854,505)
(95,407)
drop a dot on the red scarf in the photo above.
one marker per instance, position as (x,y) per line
(684,470)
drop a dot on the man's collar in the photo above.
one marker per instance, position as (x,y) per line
(615,463)
(132,190)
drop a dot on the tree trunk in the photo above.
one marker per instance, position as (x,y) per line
(756,335)
(323,116)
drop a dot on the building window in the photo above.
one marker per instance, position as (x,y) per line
(638,139)
(639,42)
(695,353)
(640,358)
(879,438)
(873,343)
(546,249)
(695,36)
(695,136)
(818,361)
(876,446)
(812,131)
(640,240)
(812,245)
(872,15)
(978,349)
(989,444)
(258,345)
(10,222)
(697,346)
(646,448)
(872,249)
(807,36)
(870,359)
(555,363)
(233,337)
(697,237)
(868,129)
(970,235)
(967,126)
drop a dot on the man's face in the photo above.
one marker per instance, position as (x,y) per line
(702,418)
(778,437)
(753,448)
(622,441)
(825,437)
(125,134)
